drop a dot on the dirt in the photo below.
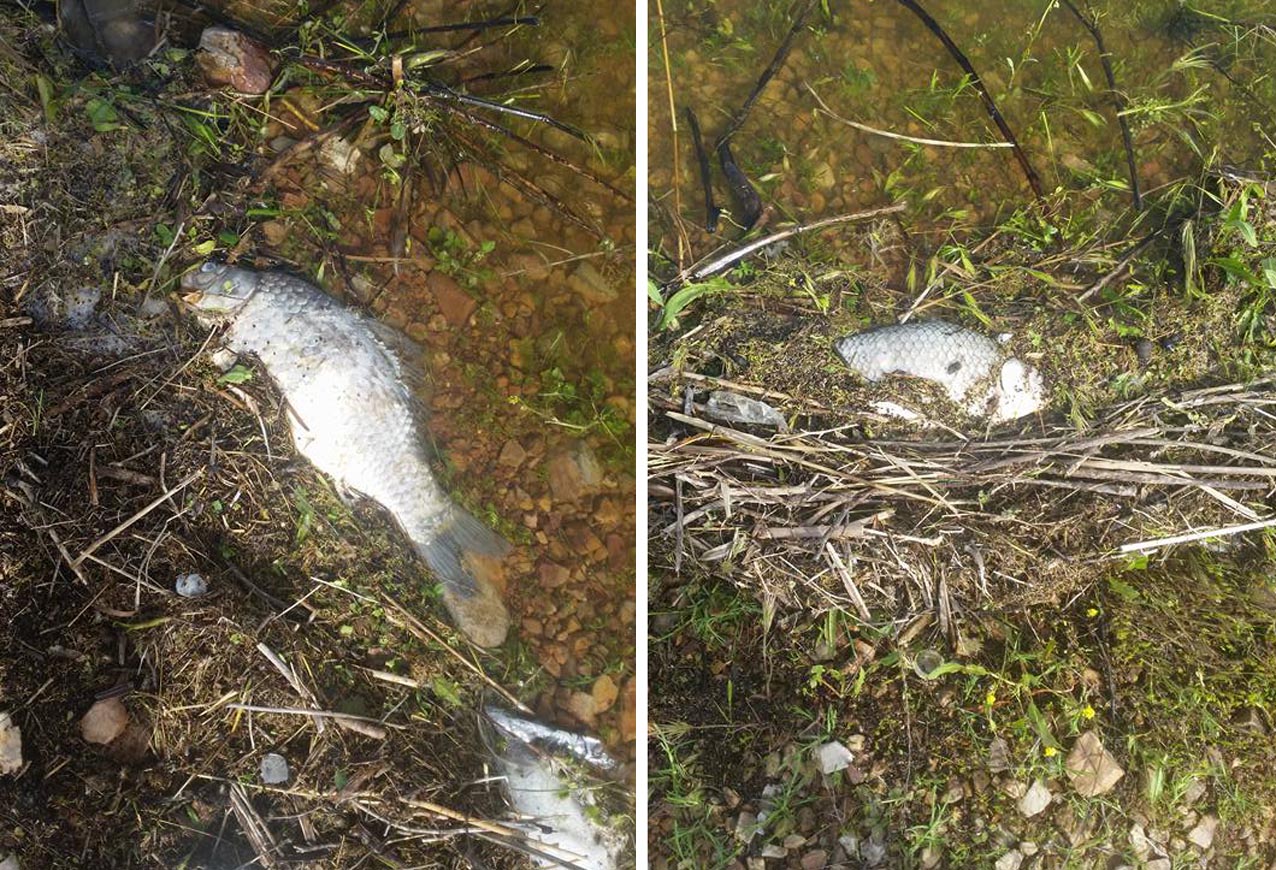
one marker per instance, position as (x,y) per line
(801,575)
(100,422)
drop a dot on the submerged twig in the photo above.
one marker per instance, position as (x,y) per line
(777,61)
(939,143)
(704,270)
(1034,180)
(711,210)
(1118,99)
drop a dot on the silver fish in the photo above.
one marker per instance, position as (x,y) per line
(353,415)
(972,368)
(558,782)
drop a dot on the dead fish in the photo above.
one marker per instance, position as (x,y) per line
(972,368)
(558,782)
(354,416)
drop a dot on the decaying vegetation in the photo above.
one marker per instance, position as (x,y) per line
(963,609)
(128,460)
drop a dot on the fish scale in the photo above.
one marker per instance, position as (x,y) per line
(971,367)
(951,355)
(353,415)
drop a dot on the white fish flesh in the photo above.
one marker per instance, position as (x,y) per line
(354,416)
(973,369)
(556,783)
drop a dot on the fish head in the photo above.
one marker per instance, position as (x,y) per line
(218,291)
(1020,390)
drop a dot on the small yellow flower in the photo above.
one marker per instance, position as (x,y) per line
(1092,612)
(1050,752)
(1087,712)
(990,698)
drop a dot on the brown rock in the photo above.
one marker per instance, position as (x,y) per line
(10,745)
(573,472)
(553,575)
(605,693)
(627,721)
(582,706)
(455,304)
(274,232)
(512,454)
(105,721)
(228,57)
(1092,769)
(815,860)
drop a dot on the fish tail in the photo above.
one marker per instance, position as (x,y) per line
(459,535)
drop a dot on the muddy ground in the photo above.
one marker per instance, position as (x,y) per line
(114,419)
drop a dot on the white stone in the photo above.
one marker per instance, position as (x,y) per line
(191,585)
(1092,769)
(1009,861)
(104,721)
(10,745)
(1036,799)
(274,769)
(834,757)
(1203,834)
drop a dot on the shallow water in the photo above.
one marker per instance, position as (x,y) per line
(876,64)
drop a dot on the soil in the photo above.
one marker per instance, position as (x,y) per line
(846,587)
(120,181)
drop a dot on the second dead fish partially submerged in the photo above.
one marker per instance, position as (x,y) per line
(558,782)
(354,416)
(972,368)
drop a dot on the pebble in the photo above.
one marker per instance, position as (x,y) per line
(553,575)
(588,283)
(104,721)
(512,455)
(815,860)
(833,757)
(454,303)
(10,862)
(1009,861)
(573,472)
(10,745)
(605,693)
(1036,799)
(191,585)
(1202,835)
(746,825)
(274,769)
(1091,768)
(230,58)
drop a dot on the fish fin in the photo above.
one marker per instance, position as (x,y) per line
(461,535)
(474,602)
(408,356)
